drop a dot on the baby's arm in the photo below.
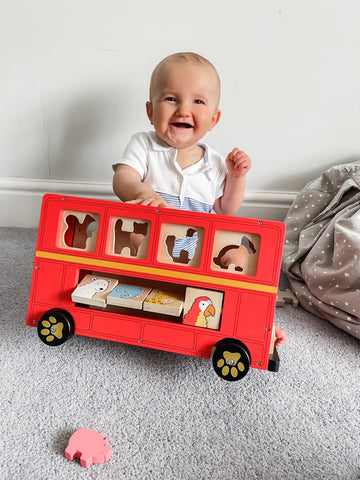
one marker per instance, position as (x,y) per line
(238,164)
(129,187)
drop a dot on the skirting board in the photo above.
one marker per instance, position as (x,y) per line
(20,200)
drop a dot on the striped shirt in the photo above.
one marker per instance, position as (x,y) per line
(194,188)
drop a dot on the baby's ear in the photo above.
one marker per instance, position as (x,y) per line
(149,111)
(215,118)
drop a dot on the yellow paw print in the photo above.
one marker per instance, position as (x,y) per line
(51,329)
(230,363)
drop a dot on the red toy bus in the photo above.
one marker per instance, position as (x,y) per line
(191,283)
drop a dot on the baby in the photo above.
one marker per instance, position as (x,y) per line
(170,167)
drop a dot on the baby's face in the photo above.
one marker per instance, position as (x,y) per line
(184,103)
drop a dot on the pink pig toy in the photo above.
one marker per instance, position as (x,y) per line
(89,445)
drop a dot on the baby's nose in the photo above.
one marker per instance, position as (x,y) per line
(183,109)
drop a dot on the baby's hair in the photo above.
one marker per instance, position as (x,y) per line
(182,57)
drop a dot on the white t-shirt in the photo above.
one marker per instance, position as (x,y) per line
(194,188)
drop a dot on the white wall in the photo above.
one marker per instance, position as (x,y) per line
(74,80)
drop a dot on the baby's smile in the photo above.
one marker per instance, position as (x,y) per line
(182,125)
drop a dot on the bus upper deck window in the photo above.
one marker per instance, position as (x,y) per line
(180,244)
(79,230)
(235,252)
(129,237)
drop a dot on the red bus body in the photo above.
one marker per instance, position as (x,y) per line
(247,300)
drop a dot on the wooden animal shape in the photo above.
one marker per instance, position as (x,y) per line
(182,250)
(132,240)
(76,233)
(90,446)
(235,254)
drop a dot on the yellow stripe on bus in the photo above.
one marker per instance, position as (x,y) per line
(174,274)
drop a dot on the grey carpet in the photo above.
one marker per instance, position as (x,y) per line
(169,416)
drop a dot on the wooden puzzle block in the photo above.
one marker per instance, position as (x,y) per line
(202,308)
(286,296)
(236,252)
(181,244)
(272,343)
(93,290)
(89,446)
(182,250)
(79,230)
(167,303)
(130,237)
(130,296)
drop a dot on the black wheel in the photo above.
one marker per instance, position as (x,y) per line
(55,327)
(231,360)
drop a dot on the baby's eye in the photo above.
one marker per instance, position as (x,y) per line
(170,99)
(199,102)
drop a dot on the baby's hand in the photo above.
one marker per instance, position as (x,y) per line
(280,336)
(153,201)
(238,163)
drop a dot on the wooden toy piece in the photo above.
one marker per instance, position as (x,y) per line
(204,305)
(130,296)
(160,301)
(202,308)
(272,343)
(182,250)
(128,238)
(79,230)
(235,254)
(286,296)
(89,446)
(181,244)
(55,327)
(93,290)
(231,361)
